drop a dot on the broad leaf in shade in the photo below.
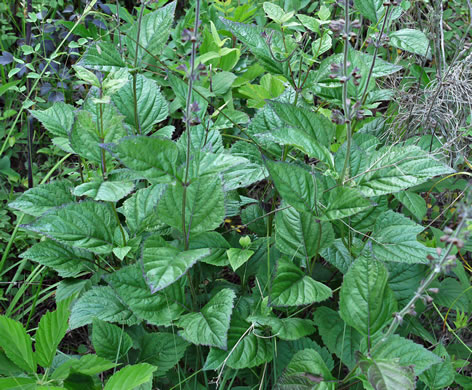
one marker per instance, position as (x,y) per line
(110,191)
(295,184)
(88,225)
(285,328)
(306,370)
(395,168)
(17,344)
(84,136)
(210,326)
(57,119)
(394,239)
(216,244)
(90,364)
(140,209)
(338,255)
(152,106)
(159,308)
(413,202)
(344,202)
(292,287)
(204,206)
(366,302)
(371,9)
(301,234)
(110,341)
(102,56)
(407,353)
(341,339)
(38,200)
(161,349)
(388,374)
(51,330)
(244,350)
(413,41)
(102,303)
(155,159)
(153,32)
(130,377)
(66,261)
(237,257)
(163,264)
(404,280)
(440,375)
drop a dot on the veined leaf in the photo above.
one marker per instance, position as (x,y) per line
(152,106)
(17,344)
(210,326)
(440,375)
(204,206)
(51,330)
(413,202)
(371,9)
(341,339)
(216,244)
(237,257)
(57,119)
(66,261)
(110,341)
(102,56)
(413,41)
(86,365)
(338,255)
(88,225)
(388,375)
(366,302)
(344,202)
(163,264)
(301,234)
(396,168)
(285,328)
(38,200)
(110,191)
(292,287)
(130,377)
(155,159)
(394,239)
(295,184)
(153,33)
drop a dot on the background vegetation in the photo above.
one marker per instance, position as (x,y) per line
(235,194)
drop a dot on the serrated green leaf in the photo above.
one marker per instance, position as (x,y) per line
(341,339)
(285,328)
(204,206)
(155,308)
(344,202)
(388,375)
(371,9)
(404,279)
(301,234)
(110,341)
(51,330)
(295,184)
(215,243)
(85,365)
(89,225)
(407,353)
(237,257)
(130,377)
(338,255)
(306,370)
(366,302)
(413,41)
(110,191)
(155,159)
(392,169)
(84,136)
(153,32)
(161,349)
(163,264)
(66,261)
(38,200)
(292,287)
(245,349)
(210,326)
(18,383)
(17,344)
(102,56)
(103,303)
(440,375)
(57,119)
(140,209)
(413,202)
(394,239)
(152,106)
